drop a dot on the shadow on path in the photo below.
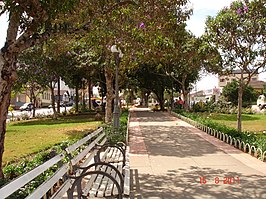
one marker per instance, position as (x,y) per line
(170,159)
(185,184)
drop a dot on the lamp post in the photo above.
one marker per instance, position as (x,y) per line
(118,55)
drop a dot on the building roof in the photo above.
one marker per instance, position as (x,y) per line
(238,71)
(257,84)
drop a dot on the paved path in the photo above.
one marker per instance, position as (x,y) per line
(171,159)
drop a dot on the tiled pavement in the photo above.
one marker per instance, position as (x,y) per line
(171,159)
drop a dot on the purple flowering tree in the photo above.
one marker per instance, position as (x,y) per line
(238,32)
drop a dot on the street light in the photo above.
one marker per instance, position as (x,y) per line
(118,55)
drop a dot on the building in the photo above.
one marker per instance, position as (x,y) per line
(44,98)
(236,75)
(225,79)
(205,95)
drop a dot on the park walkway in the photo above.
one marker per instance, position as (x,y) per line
(171,159)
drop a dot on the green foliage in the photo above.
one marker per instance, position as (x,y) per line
(238,32)
(15,170)
(10,109)
(114,135)
(247,137)
(230,91)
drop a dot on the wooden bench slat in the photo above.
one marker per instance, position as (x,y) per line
(104,183)
(26,178)
(96,183)
(88,186)
(127,180)
(110,185)
(63,189)
(81,155)
(115,190)
(104,154)
(73,147)
(42,189)
(110,154)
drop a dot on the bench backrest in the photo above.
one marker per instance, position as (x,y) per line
(84,150)
(57,178)
(21,181)
(97,136)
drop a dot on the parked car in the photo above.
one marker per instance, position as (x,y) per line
(261,102)
(61,105)
(26,107)
(68,104)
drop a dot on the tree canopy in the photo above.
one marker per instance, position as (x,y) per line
(238,33)
(230,91)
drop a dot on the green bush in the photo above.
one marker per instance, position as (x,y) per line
(258,141)
(14,170)
(115,136)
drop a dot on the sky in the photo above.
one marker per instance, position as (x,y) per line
(196,24)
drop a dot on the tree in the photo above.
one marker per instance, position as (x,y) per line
(153,79)
(29,23)
(32,22)
(238,33)
(187,66)
(230,91)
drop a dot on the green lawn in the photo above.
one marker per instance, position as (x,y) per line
(27,137)
(256,123)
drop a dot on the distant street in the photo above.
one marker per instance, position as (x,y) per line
(41,111)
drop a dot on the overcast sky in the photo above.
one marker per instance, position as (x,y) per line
(201,9)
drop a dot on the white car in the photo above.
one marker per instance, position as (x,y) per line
(261,102)
(26,107)
(61,105)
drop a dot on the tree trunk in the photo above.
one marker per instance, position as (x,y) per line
(58,95)
(32,99)
(53,99)
(109,94)
(160,98)
(77,99)
(34,106)
(83,96)
(240,96)
(8,76)
(146,100)
(89,92)
(185,95)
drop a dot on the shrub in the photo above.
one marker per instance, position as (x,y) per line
(25,116)
(258,141)
(115,136)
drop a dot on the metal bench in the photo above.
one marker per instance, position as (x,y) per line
(94,169)
(103,172)
(44,190)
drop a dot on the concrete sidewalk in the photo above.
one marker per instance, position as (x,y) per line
(171,159)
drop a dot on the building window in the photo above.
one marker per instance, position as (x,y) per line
(254,79)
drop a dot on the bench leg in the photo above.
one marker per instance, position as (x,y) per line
(108,165)
(78,180)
